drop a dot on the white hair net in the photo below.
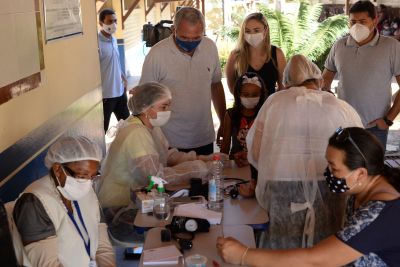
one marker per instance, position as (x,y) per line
(146,95)
(300,69)
(70,149)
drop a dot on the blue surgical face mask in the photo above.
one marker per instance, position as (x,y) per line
(187,46)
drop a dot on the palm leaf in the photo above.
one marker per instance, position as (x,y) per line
(305,24)
(285,24)
(232,32)
(274,32)
(323,38)
(280,28)
(300,33)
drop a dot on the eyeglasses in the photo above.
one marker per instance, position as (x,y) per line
(342,135)
(73,174)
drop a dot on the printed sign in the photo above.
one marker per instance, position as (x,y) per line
(62,18)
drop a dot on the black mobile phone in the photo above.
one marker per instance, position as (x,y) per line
(133,253)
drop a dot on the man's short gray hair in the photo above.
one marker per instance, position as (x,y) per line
(191,14)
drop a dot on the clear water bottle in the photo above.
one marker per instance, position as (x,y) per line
(215,185)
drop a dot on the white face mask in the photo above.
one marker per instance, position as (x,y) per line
(254,39)
(249,102)
(162,118)
(359,32)
(74,188)
(110,29)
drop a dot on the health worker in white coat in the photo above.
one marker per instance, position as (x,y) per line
(58,216)
(287,145)
(140,149)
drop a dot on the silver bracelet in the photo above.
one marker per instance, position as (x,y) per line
(243,255)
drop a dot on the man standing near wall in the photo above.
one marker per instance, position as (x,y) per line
(366,63)
(112,79)
(187,62)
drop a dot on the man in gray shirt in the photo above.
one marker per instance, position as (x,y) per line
(188,64)
(365,63)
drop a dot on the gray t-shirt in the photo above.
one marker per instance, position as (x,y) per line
(189,78)
(31,219)
(365,74)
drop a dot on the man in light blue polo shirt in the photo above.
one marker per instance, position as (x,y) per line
(365,63)
(113,81)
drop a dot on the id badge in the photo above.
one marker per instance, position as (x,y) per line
(92,263)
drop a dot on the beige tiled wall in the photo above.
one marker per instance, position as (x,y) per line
(19,51)
(71,69)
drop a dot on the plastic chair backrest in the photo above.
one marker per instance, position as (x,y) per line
(16,248)
(7,254)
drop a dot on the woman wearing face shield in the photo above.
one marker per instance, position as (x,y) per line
(140,149)
(286,143)
(58,215)
(254,53)
(370,235)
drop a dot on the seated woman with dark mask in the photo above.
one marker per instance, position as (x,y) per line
(370,236)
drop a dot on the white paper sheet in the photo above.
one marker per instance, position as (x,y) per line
(198,211)
(161,256)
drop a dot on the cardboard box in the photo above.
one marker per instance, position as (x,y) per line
(144,202)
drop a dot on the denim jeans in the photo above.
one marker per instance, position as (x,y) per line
(382,135)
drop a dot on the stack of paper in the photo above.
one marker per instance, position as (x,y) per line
(161,256)
(193,210)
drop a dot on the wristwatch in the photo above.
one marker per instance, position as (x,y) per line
(387,121)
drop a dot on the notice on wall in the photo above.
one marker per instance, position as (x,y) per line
(63,18)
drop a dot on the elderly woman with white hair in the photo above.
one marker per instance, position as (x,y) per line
(140,149)
(58,216)
(286,144)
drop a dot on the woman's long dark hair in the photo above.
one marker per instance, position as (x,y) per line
(372,157)
(237,106)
